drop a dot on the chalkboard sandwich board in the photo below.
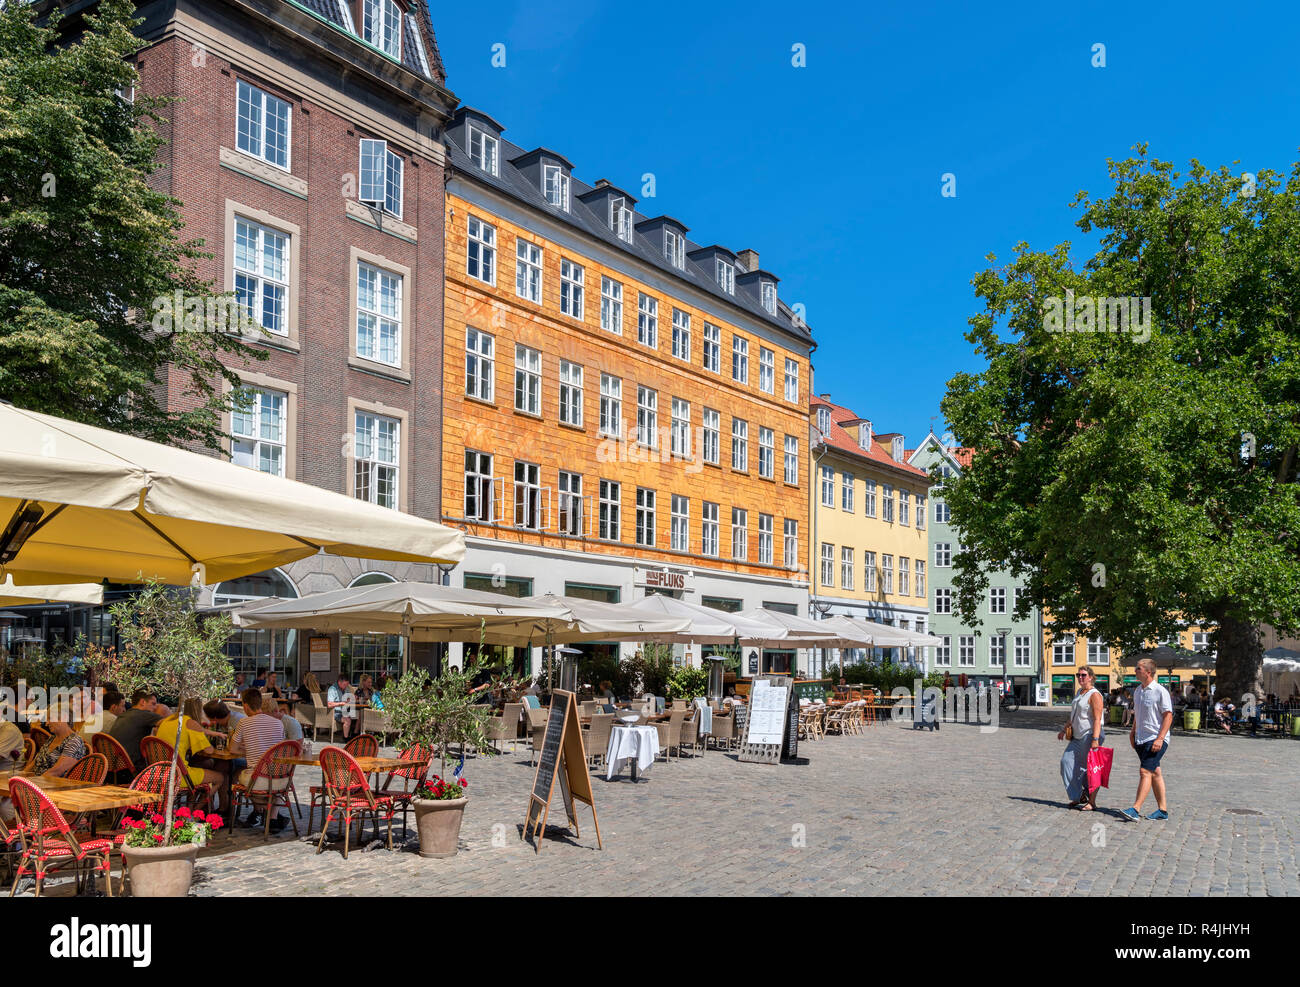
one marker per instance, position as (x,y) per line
(562,756)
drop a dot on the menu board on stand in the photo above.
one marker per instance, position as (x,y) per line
(562,756)
(769,700)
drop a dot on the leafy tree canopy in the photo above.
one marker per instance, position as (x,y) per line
(1144,473)
(88,242)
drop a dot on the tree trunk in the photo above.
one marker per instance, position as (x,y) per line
(171,779)
(1240,661)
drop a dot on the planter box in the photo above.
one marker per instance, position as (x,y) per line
(437,821)
(160,872)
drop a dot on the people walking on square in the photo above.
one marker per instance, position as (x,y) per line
(1153,717)
(1084,733)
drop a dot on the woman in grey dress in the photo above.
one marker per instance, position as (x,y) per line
(1085,725)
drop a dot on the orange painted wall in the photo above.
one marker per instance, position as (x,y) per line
(511,435)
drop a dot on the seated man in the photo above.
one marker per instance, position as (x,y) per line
(341,700)
(222,720)
(256,734)
(135,724)
(12,749)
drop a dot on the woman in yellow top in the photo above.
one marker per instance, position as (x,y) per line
(194,742)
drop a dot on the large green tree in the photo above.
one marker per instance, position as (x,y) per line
(88,243)
(1145,474)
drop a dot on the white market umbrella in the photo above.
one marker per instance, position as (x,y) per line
(19,596)
(79,503)
(804,633)
(707,626)
(421,611)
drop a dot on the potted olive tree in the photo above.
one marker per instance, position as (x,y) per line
(166,649)
(438,713)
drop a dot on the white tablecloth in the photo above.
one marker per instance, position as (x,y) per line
(639,744)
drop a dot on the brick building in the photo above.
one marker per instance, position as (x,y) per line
(625,409)
(304,148)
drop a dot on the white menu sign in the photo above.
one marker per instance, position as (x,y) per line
(767,704)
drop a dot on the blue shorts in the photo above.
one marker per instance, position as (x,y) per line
(1149,759)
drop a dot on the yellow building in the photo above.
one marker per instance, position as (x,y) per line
(1064,653)
(869,547)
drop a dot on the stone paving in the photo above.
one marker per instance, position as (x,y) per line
(952,812)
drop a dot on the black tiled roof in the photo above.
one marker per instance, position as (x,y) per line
(513,183)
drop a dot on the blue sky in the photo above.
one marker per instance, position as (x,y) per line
(833,171)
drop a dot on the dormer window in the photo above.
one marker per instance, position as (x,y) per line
(726,276)
(381,26)
(674,247)
(824,420)
(896,449)
(864,436)
(555,186)
(769,296)
(620,219)
(483,150)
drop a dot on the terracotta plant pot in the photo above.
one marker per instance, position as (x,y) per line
(160,871)
(438,823)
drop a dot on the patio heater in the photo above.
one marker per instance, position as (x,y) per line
(567,672)
(717,672)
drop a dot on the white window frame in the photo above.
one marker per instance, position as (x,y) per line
(869,497)
(997,599)
(681,334)
(528,380)
(555,186)
(388,285)
(792,380)
(486,155)
(480,364)
(766,453)
(904,507)
(711,436)
(887,574)
(1063,650)
(847,481)
(791,460)
(620,219)
(389,36)
(376,155)
(366,457)
(261,425)
(887,503)
(943,555)
(740,445)
(904,576)
(480,487)
(846,567)
(647,417)
(528,496)
(572,516)
(739,534)
(966,651)
(675,248)
(740,359)
(709,534)
(828,565)
(726,274)
(828,486)
(611,509)
(270,272)
(920,577)
(1023,653)
(679,441)
(645,517)
(611,305)
(942,600)
(766,370)
(679,534)
(481,251)
(711,358)
(528,270)
(647,320)
(767,292)
(256,146)
(790,543)
(765,547)
(611,405)
(571,394)
(869,572)
(572,288)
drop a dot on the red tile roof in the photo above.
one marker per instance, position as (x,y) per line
(842,441)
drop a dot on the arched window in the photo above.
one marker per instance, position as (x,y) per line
(372,579)
(251,650)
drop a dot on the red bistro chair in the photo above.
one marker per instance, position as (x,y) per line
(364,745)
(348,795)
(92,768)
(419,755)
(49,843)
(270,784)
(155,750)
(118,758)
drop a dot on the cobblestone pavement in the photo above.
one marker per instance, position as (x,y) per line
(953,812)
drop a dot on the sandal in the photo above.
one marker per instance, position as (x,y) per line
(1087,807)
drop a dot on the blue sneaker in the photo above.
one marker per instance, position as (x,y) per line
(1159,814)
(1130,815)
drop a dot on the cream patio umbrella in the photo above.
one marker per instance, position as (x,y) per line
(79,502)
(20,596)
(421,611)
(707,626)
(806,633)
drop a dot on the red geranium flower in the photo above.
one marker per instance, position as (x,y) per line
(157,820)
(183,812)
(198,815)
(215,821)
(178,823)
(464,783)
(157,837)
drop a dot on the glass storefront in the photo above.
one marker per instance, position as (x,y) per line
(252,650)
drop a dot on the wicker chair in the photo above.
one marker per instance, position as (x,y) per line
(690,735)
(724,731)
(347,795)
(597,739)
(536,730)
(48,840)
(40,736)
(375,721)
(322,717)
(670,733)
(29,752)
(270,785)
(506,726)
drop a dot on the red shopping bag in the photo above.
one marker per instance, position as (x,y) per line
(1099,762)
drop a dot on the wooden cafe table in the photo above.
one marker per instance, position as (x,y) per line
(75,797)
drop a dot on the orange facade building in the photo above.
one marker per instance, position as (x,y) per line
(624,412)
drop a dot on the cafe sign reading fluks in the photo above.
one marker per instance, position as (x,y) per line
(672,580)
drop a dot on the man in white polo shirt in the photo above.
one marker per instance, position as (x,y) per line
(1153,716)
(256,734)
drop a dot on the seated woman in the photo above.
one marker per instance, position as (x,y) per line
(605,693)
(193,743)
(272,685)
(64,749)
(1223,714)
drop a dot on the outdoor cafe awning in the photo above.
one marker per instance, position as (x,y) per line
(707,626)
(80,503)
